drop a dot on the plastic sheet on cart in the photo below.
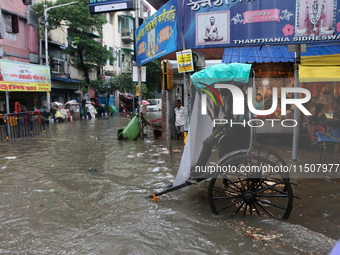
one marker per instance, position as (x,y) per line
(236,72)
(199,124)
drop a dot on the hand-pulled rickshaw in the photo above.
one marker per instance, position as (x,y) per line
(247,178)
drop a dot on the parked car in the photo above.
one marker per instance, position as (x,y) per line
(155,105)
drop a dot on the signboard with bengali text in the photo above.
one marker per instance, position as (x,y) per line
(23,77)
(184,61)
(235,23)
(157,36)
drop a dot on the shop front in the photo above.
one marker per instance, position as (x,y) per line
(274,68)
(321,76)
(127,102)
(64,90)
(19,78)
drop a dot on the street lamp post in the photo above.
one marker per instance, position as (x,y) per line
(117,56)
(46,9)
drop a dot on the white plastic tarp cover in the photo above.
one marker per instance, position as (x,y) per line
(199,124)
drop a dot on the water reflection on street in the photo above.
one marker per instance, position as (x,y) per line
(81,191)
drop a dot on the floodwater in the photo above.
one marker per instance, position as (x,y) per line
(52,201)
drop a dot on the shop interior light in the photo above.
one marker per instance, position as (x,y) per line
(265,82)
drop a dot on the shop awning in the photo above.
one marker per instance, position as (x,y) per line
(128,16)
(257,54)
(265,54)
(319,73)
(320,62)
(64,86)
(128,49)
(127,96)
(64,83)
(65,80)
(323,60)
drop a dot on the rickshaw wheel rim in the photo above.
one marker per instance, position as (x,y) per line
(249,197)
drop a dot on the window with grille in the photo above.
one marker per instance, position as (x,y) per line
(57,66)
(11,23)
(126,26)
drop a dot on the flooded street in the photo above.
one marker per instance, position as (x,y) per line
(81,191)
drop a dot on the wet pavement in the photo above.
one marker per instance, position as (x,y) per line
(81,191)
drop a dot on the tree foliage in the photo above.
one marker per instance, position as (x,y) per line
(144,90)
(122,82)
(84,30)
(153,75)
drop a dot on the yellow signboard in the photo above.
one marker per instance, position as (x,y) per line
(24,86)
(167,71)
(24,77)
(184,61)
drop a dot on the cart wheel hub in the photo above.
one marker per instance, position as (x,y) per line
(248,197)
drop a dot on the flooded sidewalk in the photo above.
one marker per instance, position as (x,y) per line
(81,191)
(320,197)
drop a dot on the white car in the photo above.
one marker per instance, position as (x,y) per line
(155,105)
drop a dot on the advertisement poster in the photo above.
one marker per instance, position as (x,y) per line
(23,77)
(157,36)
(184,61)
(213,24)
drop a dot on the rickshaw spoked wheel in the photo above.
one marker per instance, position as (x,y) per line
(238,191)
(269,154)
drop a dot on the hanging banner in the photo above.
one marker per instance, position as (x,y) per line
(135,74)
(184,61)
(234,23)
(157,36)
(23,77)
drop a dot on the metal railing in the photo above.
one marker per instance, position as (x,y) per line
(15,126)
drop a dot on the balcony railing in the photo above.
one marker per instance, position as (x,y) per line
(127,35)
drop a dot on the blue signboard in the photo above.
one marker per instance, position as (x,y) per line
(99,6)
(233,23)
(157,36)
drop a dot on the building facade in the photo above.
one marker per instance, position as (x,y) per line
(22,39)
(19,43)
